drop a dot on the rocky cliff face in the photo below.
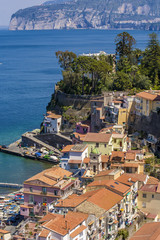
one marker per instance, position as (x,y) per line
(103,14)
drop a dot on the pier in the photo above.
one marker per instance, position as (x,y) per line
(11,185)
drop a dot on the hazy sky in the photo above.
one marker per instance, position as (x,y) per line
(8,7)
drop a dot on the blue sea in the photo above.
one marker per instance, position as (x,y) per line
(28,73)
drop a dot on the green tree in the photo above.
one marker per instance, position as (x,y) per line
(150,63)
(124,233)
(141,81)
(122,82)
(124,44)
(65,59)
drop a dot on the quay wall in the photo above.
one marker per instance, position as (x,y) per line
(55,140)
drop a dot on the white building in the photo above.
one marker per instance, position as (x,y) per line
(52,123)
(64,227)
(73,156)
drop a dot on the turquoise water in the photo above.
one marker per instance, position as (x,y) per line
(28,72)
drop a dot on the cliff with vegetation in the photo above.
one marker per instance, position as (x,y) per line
(104,14)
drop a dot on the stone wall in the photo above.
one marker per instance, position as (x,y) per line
(57,141)
(77,101)
(149,125)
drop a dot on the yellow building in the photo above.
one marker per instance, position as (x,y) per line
(149,199)
(147,102)
(119,142)
(126,114)
(101,141)
(105,143)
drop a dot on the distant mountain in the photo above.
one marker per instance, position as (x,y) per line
(103,14)
(56,2)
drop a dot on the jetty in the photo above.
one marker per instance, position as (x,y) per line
(11,185)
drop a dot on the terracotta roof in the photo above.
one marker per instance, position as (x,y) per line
(4,231)
(122,165)
(102,118)
(152,180)
(62,225)
(106,129)
(104,158)
(148,96)
(103,173)
(97,137)
(151,216)
(115,101)
(74,200)
(149,188)
(75,161)
(117,156)
(127,164)
(130,156)
(138,177)
(53,115)
(77,231)
(126,179)
(44,233)
(49,176)
(67,148)
(118,135)
(112,185)
(105,199)
(135,151)
(79,136)
(149,231)
(48,217)
(86,160)
(98,109)
(118,187)
(83,124)
(25,206)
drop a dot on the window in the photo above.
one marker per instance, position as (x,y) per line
(144,195)
(97,144)
(31,189)
(114,140)
(105,145)
(31,199)
(44,200)
(143,205)
(55,192)
(120,143)
(44,190)
(81,234)
(152,195)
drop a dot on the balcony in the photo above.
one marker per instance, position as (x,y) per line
(111,221)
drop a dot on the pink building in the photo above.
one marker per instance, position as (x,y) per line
(44,188)
(82,128)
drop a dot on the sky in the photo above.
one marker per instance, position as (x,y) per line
(8,7)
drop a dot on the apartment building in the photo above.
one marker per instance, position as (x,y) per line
(71,226)
(73,157)
(147,102)
(149,198)
(44,188)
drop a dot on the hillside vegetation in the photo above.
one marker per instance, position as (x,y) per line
(133,70)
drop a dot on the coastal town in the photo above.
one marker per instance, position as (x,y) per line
(104,183)
(100,135)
